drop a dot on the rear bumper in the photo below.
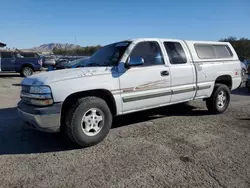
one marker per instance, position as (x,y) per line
(237,81)
(46,119)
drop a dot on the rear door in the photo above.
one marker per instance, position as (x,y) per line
(7,61)
(182,71)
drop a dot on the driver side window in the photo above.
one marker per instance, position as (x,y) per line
(150,51)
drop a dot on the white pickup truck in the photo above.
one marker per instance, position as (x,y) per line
(125,77)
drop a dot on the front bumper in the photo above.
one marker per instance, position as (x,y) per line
(46,119)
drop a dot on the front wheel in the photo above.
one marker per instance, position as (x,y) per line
(88,121)
(219,100)
(26,71)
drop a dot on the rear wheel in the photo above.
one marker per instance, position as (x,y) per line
(26,71)
(88,121)
(247,84)
(243,72)
(219,100)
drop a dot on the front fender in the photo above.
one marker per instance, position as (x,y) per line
(62,89)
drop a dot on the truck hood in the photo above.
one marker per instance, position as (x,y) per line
(64,74)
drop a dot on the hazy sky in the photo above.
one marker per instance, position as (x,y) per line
(29,23)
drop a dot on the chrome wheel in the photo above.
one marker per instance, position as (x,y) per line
(221,99)
(92,122)
(27,71)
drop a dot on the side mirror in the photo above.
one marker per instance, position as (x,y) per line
(19,56)
(134,61)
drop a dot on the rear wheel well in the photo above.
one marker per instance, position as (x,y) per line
(27,65)
(101,93)
(224,79)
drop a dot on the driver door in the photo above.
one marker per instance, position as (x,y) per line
(147,85)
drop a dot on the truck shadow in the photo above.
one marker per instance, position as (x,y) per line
(247,120)
(184,109)
(243,91)
(18,85)
(16,138)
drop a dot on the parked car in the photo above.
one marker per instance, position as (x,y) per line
(243,68)
(24,63)
(248,78)
(65,59)
(69,64)
(49,61)
(127,77)
(246,62)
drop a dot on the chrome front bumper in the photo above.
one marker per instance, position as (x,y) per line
(46,119)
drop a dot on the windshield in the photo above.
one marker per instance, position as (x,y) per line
(78,62)
(108,55)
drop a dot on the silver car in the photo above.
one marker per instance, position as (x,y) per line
(49,61)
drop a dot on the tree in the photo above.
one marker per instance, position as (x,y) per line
(228,39)
(55,50)
(84,51)
(241,46)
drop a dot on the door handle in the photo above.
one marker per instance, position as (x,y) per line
(164,73)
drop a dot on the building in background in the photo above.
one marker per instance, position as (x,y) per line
(2,45)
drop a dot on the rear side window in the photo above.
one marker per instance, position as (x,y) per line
(222,51)
(175,53)
(27,55)
(206,51)
(6,54)
(150,51)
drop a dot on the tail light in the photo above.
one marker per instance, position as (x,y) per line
(40,62)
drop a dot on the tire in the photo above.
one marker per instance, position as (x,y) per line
(76,126)
(213,104)
(243,72)
(26,71)
(247,84)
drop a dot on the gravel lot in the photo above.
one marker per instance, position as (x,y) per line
(177,146)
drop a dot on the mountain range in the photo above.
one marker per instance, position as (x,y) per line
(49,47)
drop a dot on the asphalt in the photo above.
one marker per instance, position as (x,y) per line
(176,146)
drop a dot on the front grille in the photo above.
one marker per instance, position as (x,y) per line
(25,89)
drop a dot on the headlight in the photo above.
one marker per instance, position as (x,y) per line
(37,95)
(40,89)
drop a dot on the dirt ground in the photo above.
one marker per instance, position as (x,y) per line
(177,146)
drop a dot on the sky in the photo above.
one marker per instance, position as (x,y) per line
(30,23)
